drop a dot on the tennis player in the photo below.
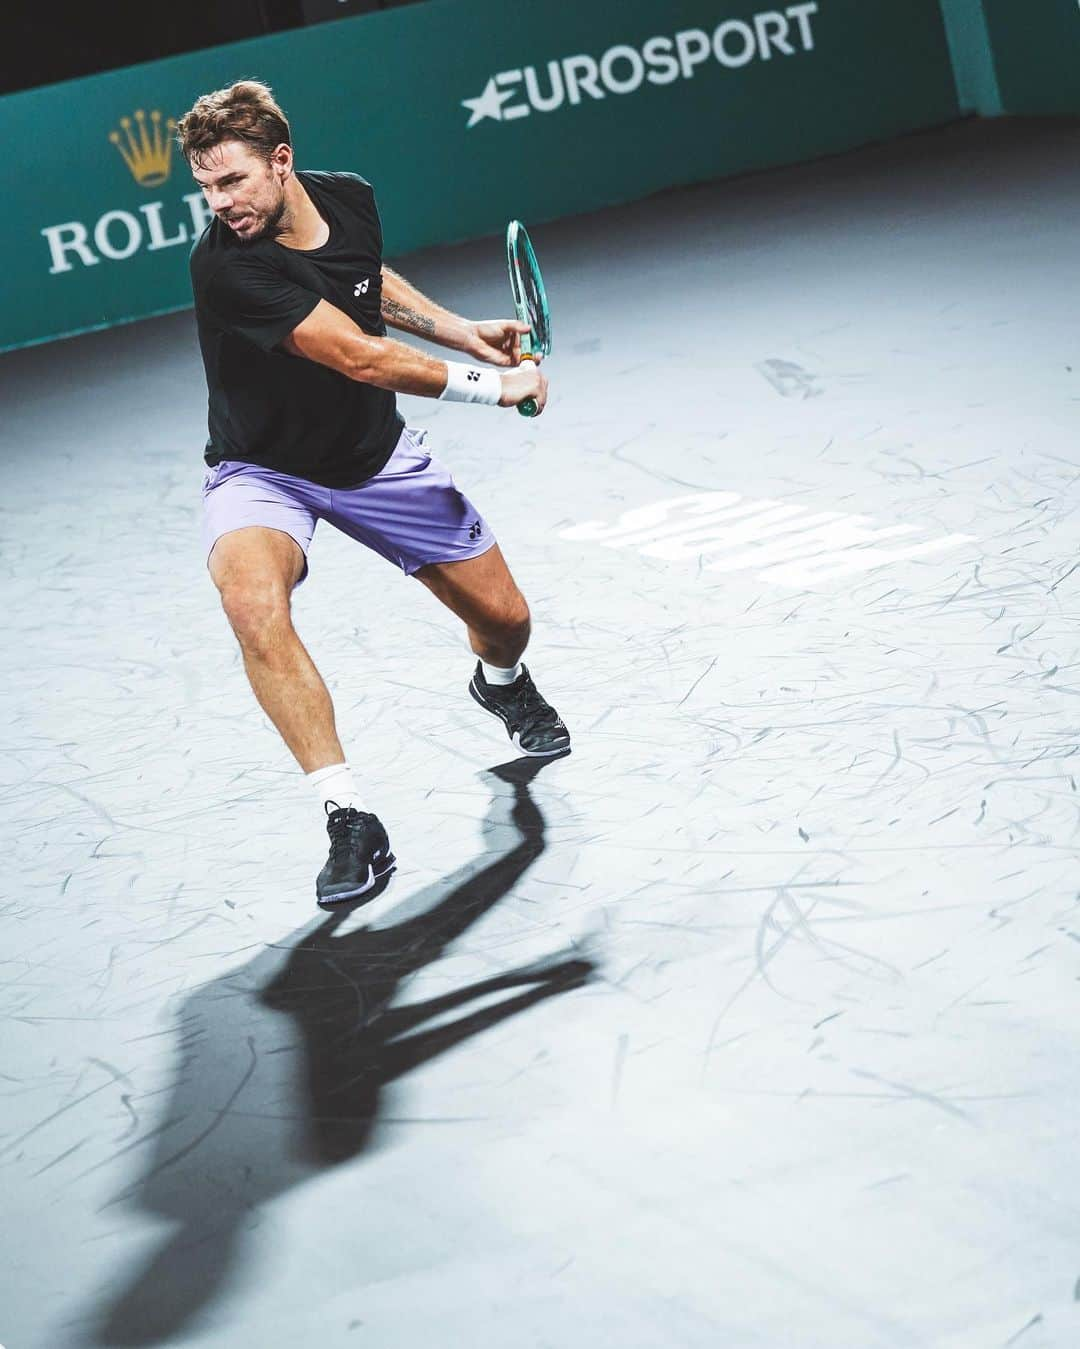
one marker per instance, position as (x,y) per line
(292,301)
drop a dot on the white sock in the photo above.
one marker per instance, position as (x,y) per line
(335,785)
(494,675)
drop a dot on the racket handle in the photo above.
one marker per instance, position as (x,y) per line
(528,408)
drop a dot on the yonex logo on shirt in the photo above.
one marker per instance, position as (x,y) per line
(661,60)
(362,286)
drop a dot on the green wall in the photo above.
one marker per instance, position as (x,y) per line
(1036,45)
(973,58)
(1015,56)
(462,115)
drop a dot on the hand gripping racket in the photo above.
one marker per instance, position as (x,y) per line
(530,300)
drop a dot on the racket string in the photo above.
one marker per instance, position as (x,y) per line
(528,288)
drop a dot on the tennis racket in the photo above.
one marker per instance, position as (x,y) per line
(530,300)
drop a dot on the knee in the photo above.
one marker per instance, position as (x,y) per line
(512,624)
(258,615)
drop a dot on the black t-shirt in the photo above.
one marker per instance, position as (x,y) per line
(267,407)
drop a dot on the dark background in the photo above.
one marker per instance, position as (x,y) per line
(45,43)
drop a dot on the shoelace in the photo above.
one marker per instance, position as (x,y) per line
(535,712)
(339,827)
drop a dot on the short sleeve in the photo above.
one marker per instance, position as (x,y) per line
(253,299)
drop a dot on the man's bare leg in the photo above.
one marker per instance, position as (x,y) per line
(255,569)
(481,591)
(485,597)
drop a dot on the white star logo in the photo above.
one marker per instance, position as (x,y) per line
(489,104)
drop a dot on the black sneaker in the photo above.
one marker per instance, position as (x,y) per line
(360,856)
(532,723)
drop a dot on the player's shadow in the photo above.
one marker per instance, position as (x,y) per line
(284,1070)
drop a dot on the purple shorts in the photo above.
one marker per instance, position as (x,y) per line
(411,513)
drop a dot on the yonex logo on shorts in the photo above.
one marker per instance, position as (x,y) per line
(362,286)
(660,60)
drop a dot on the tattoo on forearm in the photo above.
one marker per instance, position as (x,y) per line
(405,317)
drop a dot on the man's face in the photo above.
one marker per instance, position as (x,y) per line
(243,189)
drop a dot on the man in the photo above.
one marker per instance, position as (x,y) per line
(292,302)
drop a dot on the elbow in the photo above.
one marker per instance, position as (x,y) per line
(359,364)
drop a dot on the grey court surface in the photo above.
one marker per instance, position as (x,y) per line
(753,1022)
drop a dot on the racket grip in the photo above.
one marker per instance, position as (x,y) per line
(528,408)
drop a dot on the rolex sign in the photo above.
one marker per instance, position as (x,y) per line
(146,146)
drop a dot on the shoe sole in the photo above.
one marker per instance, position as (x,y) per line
(515,739)
(373,878)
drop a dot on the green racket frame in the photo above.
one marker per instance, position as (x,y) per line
(530,300)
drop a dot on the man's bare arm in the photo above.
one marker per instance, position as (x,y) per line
(404,307)
(496,341)
(329,337)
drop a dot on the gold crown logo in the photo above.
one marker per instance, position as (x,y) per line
(146,149)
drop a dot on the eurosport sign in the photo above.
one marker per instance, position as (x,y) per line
(662,59)
(143,140)
(606,102)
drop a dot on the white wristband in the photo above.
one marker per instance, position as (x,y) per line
(471,384)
